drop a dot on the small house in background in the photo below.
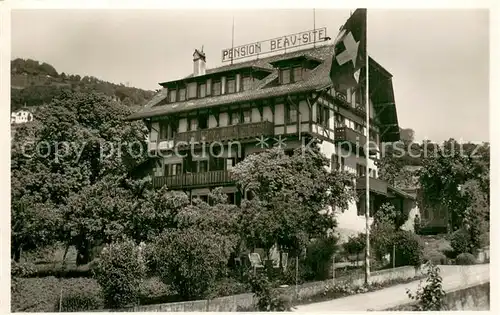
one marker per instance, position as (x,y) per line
(21,116)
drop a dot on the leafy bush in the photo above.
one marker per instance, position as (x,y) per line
(191,261)
(120,271)
(227,287)
(431,296)
(43,294)
(355,245)
(318,260)
(80,301)
(461,242)
(465,259)
(436,257)
(21,270)
(290,276)
(268,298)
(409,249)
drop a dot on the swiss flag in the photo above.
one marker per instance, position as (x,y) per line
(350,52)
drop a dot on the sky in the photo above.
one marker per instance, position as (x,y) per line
(439,58)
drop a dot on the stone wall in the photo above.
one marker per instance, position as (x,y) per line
(246,301)
(475,298)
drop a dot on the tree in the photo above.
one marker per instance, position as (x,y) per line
(355,245)
(193,252)
(449,168)
(293,197)
(120,270)
(386,222)
(75,147)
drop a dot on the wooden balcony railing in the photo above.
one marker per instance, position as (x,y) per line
(233,132)
(376,185)
(348,136)
(191,180)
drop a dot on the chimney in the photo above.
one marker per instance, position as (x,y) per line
(199,62)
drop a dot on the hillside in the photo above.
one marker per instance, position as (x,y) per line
(34,83)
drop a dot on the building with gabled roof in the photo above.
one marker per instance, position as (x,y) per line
(282,96)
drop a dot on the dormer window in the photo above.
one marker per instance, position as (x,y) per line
(202,90)
(172,96)
(297,74)
(246,83)
(216,88)
(230,85)
(285,76)
(192,90)
(182,94)
(291,74)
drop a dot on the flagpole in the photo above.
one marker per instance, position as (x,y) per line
(367,155)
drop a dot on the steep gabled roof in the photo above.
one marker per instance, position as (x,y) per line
(317,79)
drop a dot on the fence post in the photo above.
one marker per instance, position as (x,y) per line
(333,271)
(297,279)
(60,300)
(394,256)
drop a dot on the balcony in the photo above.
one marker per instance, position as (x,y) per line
(376,185)
(193,180)
(350,137)
(234,132)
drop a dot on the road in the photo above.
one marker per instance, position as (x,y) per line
(454,277)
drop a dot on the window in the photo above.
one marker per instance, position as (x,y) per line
(174,128)
(361,205)
(326,116)
(203,166)
(230,85)
(230,162)
(291,114)
(231,198)
(172,169)
(285,76)
(360,170)
(339,121)
(182,94)
(235,118)
(297,74)
(163,130)
(203,122)
(172,96)
(322,115)
(216,88)
(338,162)
(247,116)
(202,90)
(246,83)
(193,124)
(204,198)
(192,90)
(358,127)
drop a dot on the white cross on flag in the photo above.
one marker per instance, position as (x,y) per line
(350,52)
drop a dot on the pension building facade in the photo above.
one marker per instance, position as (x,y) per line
(214,118)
